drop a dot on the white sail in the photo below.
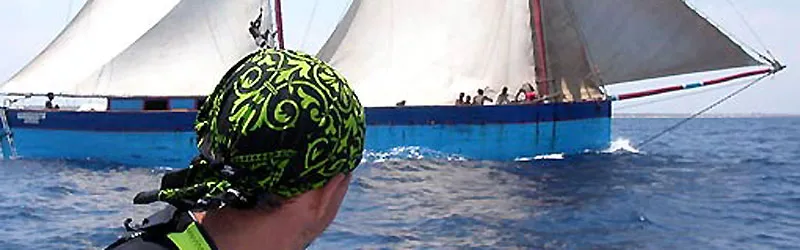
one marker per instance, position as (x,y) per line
(628,40)
(426,52)
(185,54)
(101,30)
(268,25)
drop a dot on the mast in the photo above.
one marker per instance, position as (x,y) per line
(540,50)
(279,23)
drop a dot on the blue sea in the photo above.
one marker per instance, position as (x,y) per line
(721,183)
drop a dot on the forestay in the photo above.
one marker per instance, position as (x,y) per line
(100,30)
(426,52)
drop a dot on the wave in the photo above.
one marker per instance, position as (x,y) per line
(409,152)
(621,145)
(617,146)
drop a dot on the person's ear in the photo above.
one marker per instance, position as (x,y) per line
(331,195)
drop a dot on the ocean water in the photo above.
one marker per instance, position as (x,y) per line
(726,183)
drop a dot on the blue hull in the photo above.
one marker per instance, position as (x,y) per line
(169,149)
(165,138)
(496,141)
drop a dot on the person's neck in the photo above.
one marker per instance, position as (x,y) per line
(235,230)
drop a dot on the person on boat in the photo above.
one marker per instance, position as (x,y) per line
(262,39)
(460,100)
(528,92)
(255,25)
(268,39)
(480,99)
(254,29)
(467,101)
(502,98)
(49,103)
(274,163)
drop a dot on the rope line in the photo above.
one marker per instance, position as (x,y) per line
(695,115)
(308,25)
(678,95)
(69,12)
(731,35)
(750,28)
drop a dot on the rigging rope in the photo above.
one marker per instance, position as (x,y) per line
(771,60)
(733,37)
(695,115)
(679,95)
(752,31)
(69,12)
(308,26)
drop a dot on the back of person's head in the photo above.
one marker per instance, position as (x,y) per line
(50,95)
(529,87)
(461,95)
(505,90)
(480,91)
(280,124)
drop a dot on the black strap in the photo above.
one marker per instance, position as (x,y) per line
(163,222)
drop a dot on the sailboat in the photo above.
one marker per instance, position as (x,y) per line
(418,53)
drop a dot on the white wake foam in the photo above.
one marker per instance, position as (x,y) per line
(408,152)
(556,156)
(621,145)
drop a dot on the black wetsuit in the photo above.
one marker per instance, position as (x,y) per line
(165,230)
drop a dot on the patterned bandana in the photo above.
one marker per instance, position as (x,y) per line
(280,122)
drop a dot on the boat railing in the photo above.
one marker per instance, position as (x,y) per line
(65,102)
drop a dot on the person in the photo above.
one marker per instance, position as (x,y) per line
(460,100)
(528,92)
(467,101)
(276,153)
(480,99)
(502,98)
(255,25)
(268,39)
(49,103)
(263,40)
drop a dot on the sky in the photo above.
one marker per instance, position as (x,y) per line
(29,25)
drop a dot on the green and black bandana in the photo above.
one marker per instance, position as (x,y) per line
(279,122)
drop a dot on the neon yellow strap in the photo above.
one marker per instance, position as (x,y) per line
(189,239)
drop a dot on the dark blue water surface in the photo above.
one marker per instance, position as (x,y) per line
(712,184)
